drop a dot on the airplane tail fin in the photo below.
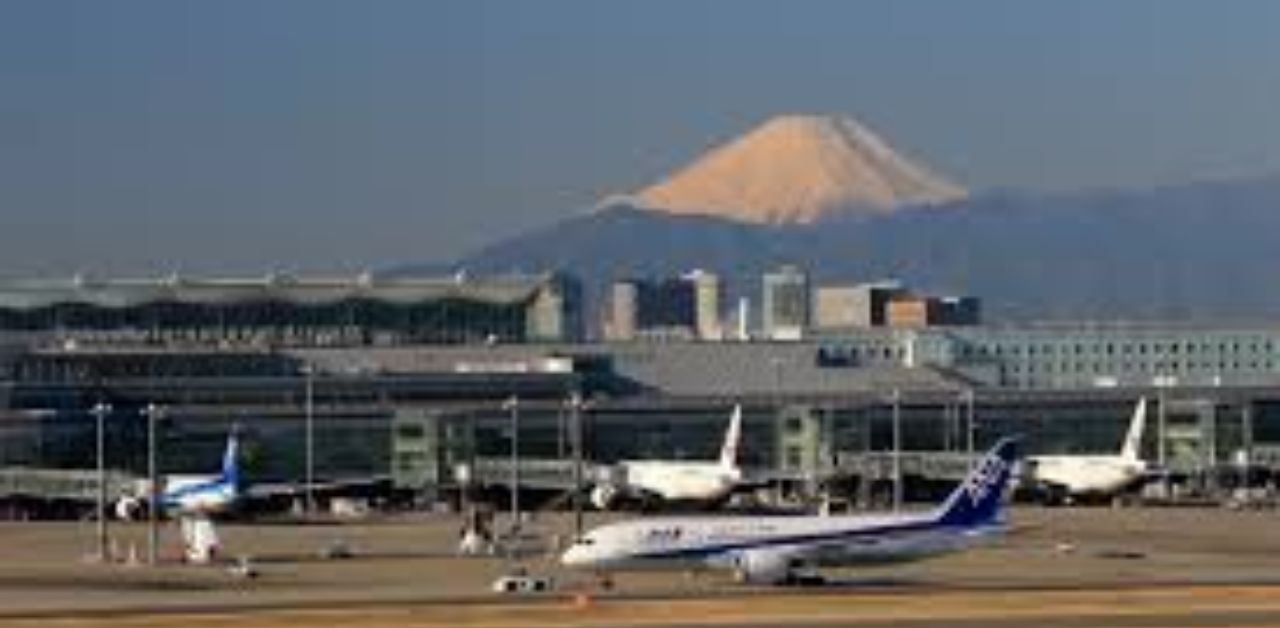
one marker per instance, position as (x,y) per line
(732,437)
(1132,449)
(231,458)
(978,499)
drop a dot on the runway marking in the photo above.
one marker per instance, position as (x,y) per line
(1183,605)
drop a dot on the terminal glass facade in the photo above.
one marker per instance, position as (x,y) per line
(298,312)
(1074,357)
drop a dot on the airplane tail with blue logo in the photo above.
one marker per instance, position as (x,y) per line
(977,501)
(231,459)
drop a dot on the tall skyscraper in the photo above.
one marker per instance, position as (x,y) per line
(661,309)
(786,304)
(620,323)
(708,291)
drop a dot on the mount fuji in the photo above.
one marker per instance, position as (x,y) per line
(798,169)
(827,194)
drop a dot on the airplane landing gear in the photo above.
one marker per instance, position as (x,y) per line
(604,582)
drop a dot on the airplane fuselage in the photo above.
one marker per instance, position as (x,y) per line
(206,495)
(182,495)
(1099,474)
(1087,475)
(679,481)
(771,550)
(676,481)
(770,544)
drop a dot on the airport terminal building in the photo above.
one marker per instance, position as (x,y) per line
(281,310)
(409,379)
(418,414)
(1071,356)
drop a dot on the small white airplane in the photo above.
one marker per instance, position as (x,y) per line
(674,481)
(775,549)
(1099,475)
(193,500)
(183,495)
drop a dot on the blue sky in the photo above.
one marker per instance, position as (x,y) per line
(150,136)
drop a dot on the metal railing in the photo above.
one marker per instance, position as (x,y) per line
(77,484)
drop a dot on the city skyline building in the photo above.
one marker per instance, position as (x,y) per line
(709,292)
(670,308)
(785,311)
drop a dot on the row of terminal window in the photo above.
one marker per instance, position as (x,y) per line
(1099,368)
(851,356)
(1110,348)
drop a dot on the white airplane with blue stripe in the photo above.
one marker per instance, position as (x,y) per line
(778,549)
(193,495)
(206,495)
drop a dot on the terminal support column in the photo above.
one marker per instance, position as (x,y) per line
(100,412)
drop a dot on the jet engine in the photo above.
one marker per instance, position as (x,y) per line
(763,567)
(130,508)
(603,496)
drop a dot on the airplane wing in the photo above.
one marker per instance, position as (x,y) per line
(274,490)
(280,497)
(753,479)
(268,490)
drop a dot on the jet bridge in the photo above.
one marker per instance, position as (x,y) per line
(64,484)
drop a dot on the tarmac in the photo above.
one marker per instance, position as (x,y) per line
(1056,567)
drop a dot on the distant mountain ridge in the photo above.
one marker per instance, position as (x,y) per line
(1197,251)
(800,169)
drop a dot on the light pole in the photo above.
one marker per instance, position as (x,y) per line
(1162,382)
(513,405)
(968,395)
(575,408)
(1162,419)
(309,446)
(100,411)
(465,474)
(828,438)
(153,413)
(897,450)
(950,425)
(1245,457)
(562,430)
